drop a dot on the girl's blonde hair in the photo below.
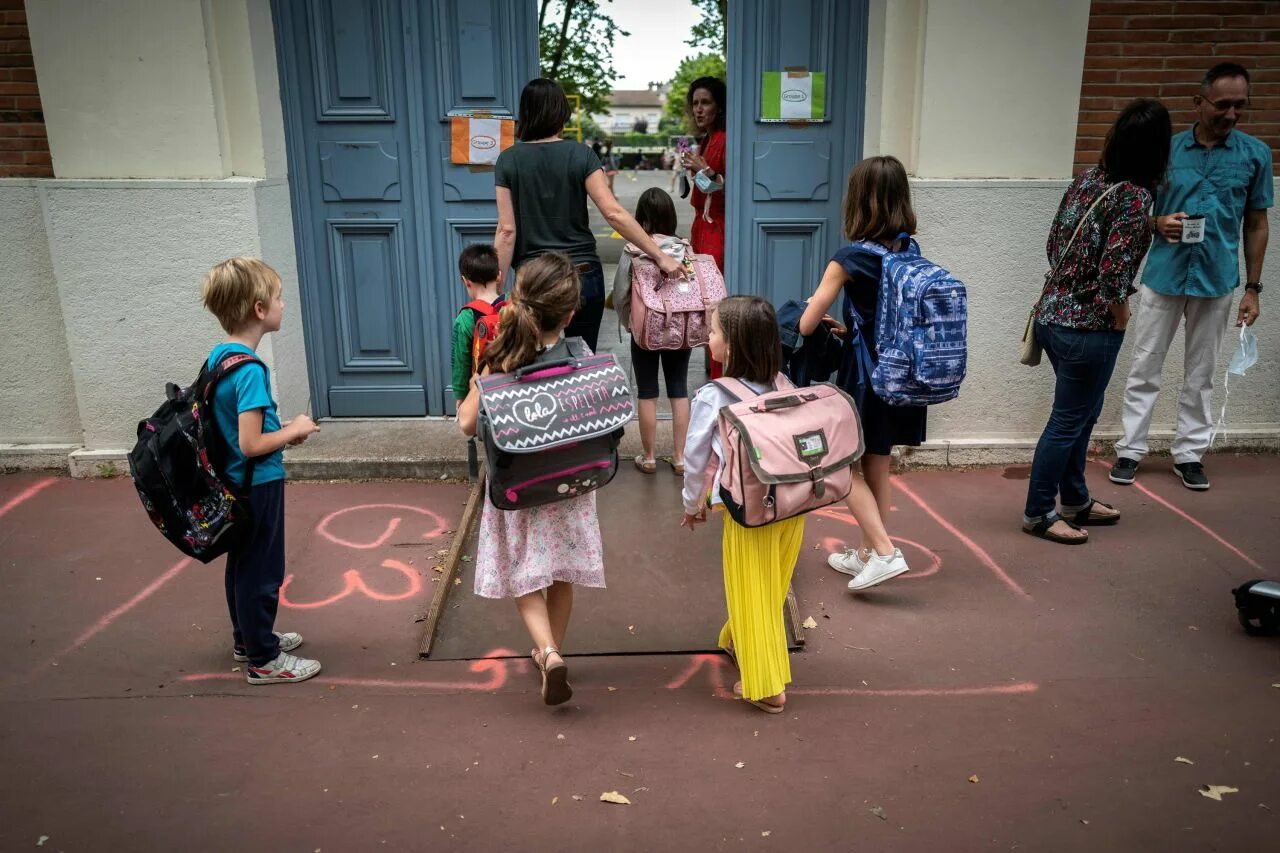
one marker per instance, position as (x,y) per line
(750,329)
(233,287)
(546,293)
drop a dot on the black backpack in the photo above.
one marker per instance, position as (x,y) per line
(178,468)
(551,429)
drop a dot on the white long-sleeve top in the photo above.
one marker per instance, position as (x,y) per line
(703,441)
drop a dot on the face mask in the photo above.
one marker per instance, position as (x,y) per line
(1246,354)
(705,183)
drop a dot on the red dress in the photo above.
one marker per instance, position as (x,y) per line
(706,237)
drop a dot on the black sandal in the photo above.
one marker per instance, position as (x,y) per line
(1041,530)
(1086,516)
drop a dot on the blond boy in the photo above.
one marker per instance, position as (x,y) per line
(244,294)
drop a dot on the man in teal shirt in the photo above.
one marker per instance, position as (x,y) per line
(1219,182)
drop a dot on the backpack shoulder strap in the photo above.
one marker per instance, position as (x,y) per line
(735,388)
(226,365)
(481,307)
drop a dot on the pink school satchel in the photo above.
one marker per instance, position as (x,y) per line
(786,452)
(672,314)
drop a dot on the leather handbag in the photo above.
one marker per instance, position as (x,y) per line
(1031,349)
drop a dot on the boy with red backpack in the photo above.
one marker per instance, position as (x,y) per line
(476,325)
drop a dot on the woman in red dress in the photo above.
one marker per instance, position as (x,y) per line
(704,106)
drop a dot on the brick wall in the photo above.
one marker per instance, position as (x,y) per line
(1161,49)
(24,146)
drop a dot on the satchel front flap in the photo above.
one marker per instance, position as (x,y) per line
(558,406)
(796,434)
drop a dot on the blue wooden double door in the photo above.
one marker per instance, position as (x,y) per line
(380,214)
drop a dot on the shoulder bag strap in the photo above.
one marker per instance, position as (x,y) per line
(1079,225)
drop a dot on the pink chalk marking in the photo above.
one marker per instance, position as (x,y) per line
(1186,517)
(102,624)
(355,582)
(714,664)
(497,670)
(26,494)
(392,525)
(977,550)
(1016,689)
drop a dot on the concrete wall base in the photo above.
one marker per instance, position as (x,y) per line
(34,457)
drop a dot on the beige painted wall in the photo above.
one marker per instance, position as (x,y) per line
(146,89)
(976,88)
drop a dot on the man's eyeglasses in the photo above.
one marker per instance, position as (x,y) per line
(1223,106)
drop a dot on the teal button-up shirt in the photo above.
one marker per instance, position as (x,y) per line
(1220,183)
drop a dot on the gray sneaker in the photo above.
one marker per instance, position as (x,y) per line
(1124,471)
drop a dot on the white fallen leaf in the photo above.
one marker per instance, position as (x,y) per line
(614,797)
(878,811)
(375,756)
(41,840)
(740,765)
(809,623)
(457,581)
(632,738)
(613,690)
(1183,760)
(235,669)
(974,778)
(578,797)
(555,800)
(1215,792)
(766,833)
(559,737)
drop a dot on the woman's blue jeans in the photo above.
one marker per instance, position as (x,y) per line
(1083,362)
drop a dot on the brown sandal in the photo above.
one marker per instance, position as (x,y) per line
(555,678)
(1087,515)
(1041,529)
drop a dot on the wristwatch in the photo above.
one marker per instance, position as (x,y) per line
(1255,286)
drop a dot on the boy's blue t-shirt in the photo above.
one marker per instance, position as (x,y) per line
(246,389)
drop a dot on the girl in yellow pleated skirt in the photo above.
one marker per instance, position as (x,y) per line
(758,561)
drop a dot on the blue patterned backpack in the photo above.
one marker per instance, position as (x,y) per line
(921,323)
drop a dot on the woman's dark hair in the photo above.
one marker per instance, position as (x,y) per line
(750,329)
(547,291)
(715,86)
(877,202)
(656,212)
(1137,146)
(544,110)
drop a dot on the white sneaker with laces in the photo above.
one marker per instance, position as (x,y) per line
(284,668)
(289,641)
(877,569)
(848,561)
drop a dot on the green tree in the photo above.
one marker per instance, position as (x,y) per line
(710,31)
(691,68)
(575,47)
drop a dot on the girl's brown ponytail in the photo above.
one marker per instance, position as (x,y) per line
(546,293)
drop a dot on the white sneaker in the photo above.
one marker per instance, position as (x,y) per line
(877,569)
(289,641)
(284,668)
(848,561)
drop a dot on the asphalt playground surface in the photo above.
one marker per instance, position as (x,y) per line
(1006,694)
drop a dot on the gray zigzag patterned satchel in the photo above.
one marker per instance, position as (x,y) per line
(551,429)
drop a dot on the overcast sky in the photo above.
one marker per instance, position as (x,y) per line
(659,29)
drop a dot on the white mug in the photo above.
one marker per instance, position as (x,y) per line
(1193,229)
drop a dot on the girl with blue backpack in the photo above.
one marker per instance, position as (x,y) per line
(878,221)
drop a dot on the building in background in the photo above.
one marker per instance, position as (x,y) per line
(633,110)
(141,142)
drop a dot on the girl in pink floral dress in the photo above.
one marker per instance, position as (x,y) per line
(536,555)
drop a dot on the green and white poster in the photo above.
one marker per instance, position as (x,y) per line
(793,96)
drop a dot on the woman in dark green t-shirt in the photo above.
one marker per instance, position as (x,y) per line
(543,183)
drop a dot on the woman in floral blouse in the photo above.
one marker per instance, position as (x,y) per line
(1096,244)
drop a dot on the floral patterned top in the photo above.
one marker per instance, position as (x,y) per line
(1103,261)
